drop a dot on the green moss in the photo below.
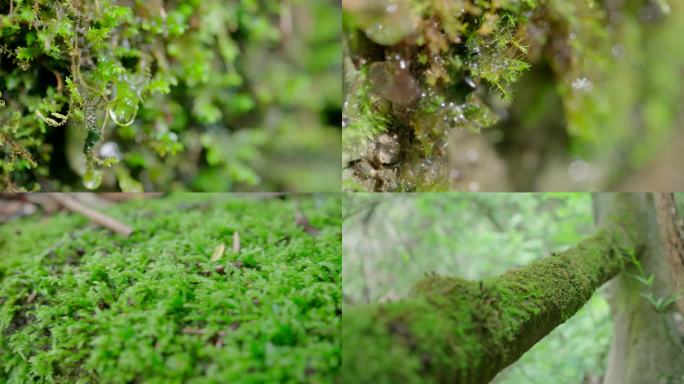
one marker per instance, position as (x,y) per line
(79,304)
(422,69)
(458,331)
(451,65)
(119,94)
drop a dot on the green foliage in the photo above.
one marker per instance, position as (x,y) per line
(80,305)
(661,304)
(155,90)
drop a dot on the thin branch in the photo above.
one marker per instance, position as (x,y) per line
(96,217)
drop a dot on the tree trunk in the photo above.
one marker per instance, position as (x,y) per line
(455,331)
(647,346)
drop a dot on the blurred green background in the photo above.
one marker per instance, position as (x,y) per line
(390,241)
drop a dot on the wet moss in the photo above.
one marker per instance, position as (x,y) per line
(457,331)
(425,66)
(441,66)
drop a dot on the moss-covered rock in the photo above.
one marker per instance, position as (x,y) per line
(79,304)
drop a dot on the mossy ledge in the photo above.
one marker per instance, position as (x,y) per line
(451,330)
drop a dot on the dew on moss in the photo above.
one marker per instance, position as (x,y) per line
(124,107)
(124,114)
(582,84)
(387,22)
(92,177)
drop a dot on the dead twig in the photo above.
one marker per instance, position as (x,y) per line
(96,217)
(236,242)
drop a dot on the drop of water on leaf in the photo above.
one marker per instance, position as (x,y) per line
(92,178)
(123,113)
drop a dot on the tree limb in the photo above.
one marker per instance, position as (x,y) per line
(451,330)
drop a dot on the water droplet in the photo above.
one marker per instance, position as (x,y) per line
(393,25)
(124,105)
(124,112)
(92,178)
(470,82)
(582,84)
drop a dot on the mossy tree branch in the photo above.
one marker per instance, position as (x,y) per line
(458,331)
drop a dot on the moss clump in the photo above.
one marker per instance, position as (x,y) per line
(418,69)
(80,305)
(455,331)
(207,95)
(419,64)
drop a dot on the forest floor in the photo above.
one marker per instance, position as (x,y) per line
(206,289)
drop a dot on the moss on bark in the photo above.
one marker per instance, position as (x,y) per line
(457,331)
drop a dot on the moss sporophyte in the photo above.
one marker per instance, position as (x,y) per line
(417,69)
(79,304)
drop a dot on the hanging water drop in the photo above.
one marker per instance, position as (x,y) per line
(92,178)
(123,113)
(124,106)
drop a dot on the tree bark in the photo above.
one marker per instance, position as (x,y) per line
(647,345)
(455,331)
(672,234)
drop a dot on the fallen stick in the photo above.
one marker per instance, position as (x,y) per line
(96,217)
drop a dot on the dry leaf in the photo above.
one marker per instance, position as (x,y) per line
(236,242)
(218,252)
